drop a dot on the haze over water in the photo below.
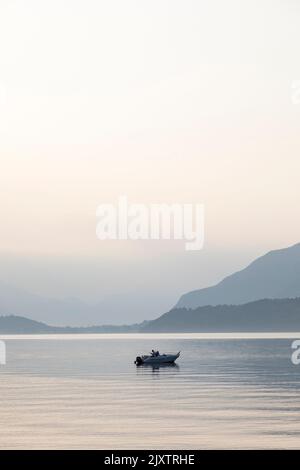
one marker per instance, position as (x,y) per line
(227,391)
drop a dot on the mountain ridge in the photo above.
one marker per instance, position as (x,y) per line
(265,315)
(274,275)
(15,324)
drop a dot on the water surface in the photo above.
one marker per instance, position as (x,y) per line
(228,391)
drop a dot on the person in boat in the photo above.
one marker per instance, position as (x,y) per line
(154,353)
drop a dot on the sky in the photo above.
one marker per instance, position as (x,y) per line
(164,101)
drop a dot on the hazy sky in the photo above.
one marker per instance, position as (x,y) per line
(164,101)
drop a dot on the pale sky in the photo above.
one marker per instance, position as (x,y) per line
(165,101)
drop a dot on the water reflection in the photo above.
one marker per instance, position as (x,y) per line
(222,393)
(155,368)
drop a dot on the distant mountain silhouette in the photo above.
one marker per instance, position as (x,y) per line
(58,312)
(68,311)
(13,324)
(259,316)
(273,276)
(262,315)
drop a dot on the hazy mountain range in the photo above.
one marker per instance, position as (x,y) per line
(12,324)
(273,276)
(261,315)
(68,311)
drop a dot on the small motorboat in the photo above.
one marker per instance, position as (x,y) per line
(156,358)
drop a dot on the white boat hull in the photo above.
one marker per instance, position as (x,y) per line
(161,359)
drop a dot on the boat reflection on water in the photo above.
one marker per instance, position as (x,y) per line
(154,368)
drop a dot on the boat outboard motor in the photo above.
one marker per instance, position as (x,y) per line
(138,361)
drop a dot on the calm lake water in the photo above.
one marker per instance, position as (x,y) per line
(85,392)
